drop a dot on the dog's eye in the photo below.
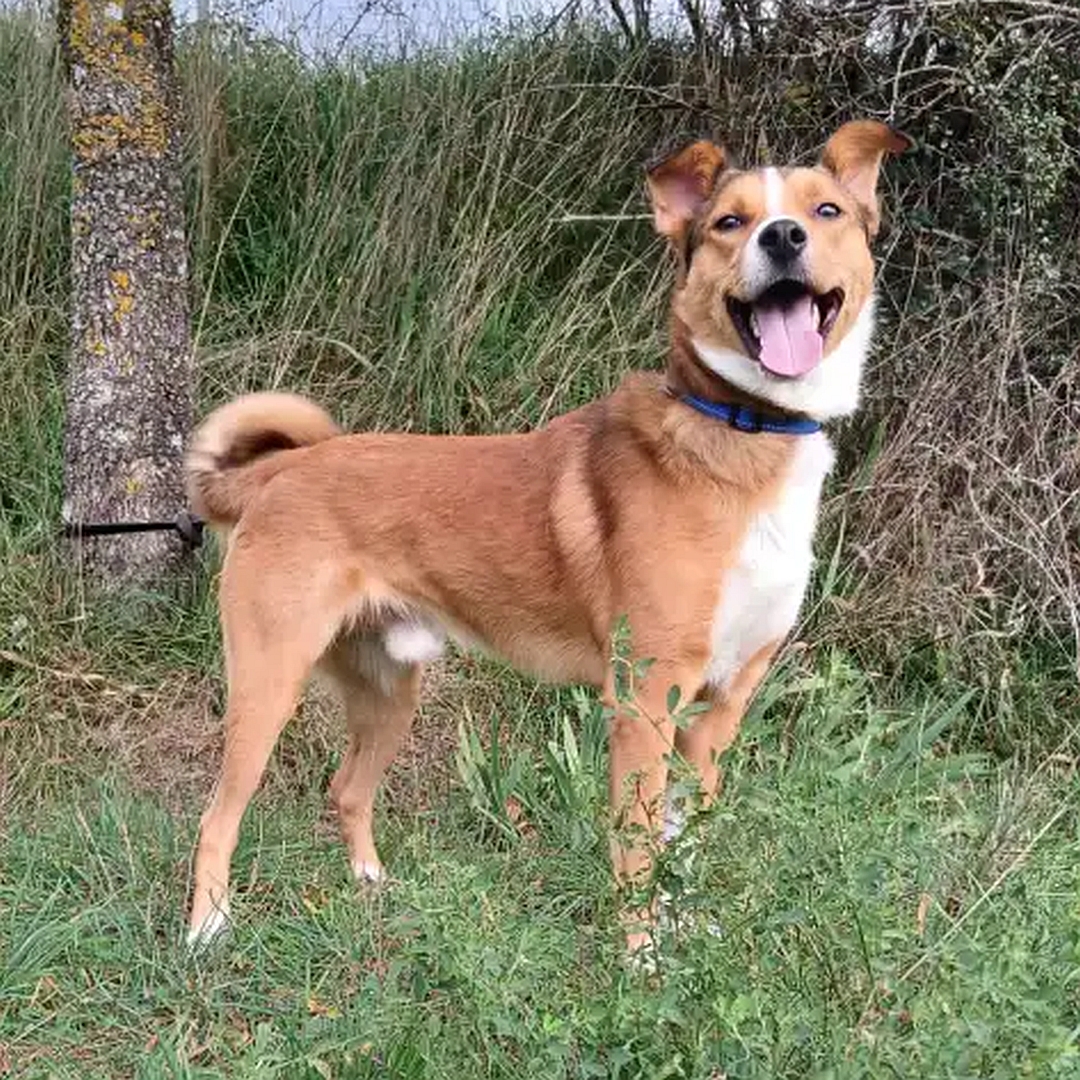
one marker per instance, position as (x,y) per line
(828,210)
(728,223)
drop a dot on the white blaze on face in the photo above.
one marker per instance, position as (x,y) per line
(788,332)
(774,193)
(758,271)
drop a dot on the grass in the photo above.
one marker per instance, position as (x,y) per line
(864,902)
(893,867)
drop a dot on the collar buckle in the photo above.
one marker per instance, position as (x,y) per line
(745,419)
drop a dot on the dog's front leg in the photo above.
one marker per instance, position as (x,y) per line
(641,739)
(711,732)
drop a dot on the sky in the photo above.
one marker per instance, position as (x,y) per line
(321,26)
(325,27)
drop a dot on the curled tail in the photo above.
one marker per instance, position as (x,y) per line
(232,439)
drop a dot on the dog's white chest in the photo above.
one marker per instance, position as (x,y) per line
(760,596)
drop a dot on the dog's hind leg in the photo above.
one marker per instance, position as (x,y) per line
(380,696)
(274,631)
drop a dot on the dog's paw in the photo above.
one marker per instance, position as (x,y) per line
(367,872)
(211,927)
(674,920)
(640,956)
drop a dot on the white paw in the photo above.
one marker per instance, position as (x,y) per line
(673,827)
(674,819)
(369,873)
(670,919)
(212,926)
(640,957)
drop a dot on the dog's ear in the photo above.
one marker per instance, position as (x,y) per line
(679,186)
(853,155)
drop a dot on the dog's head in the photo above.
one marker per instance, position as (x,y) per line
(775,285)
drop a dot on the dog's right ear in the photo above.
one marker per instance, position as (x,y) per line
(680,186)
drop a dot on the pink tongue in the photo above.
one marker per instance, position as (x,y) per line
(790,343)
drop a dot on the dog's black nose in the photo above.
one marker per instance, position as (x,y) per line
(783,240)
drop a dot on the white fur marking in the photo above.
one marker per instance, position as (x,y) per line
(831,389)
(370,872)
(674,818)
(760,599)
(774,193)
(412,642)
(214,924)
(642,961)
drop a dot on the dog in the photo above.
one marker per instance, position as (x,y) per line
(684,503)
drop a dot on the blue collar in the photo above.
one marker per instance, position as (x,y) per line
(743,418)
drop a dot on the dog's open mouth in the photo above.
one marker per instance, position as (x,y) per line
(785,328)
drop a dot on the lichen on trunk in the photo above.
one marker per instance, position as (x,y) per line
(129,385)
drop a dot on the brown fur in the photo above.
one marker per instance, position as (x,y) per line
(531,545)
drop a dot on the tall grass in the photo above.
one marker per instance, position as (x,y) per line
(33,270)
(396,238)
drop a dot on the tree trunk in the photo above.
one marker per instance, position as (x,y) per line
(129,387)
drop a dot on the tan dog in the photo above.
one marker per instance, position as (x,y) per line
(684,502)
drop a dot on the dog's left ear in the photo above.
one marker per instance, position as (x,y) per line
(680,186)
(853,155)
